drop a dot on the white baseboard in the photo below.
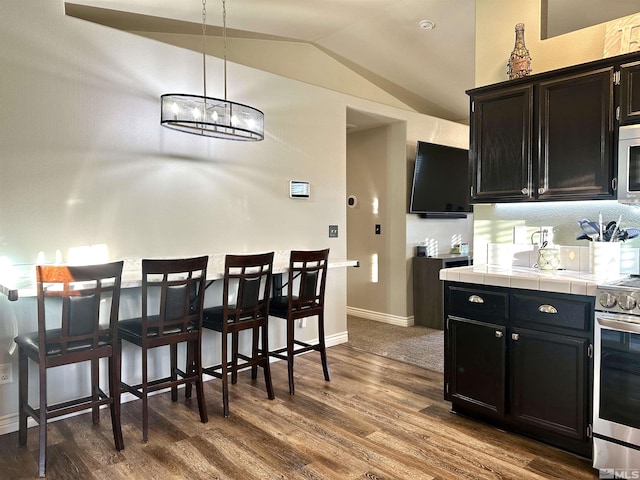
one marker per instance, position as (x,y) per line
(381,317)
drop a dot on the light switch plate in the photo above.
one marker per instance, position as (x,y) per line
(333,231)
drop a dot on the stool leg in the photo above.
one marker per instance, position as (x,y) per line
(234,357)
(290,354)
(255,333)
(145,403)
(43,420)
(173,354)
(225,376)
(323,348)
(23,395)
(95,396)
(189,368)
(197,370)
(266,366)
(114,392)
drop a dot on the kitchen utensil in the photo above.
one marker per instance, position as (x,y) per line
(600,225)
(612,237)
(590,228)
(609,231)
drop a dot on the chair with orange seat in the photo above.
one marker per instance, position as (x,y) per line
(77,322)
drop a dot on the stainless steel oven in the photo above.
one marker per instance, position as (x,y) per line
(616,402)
(629,164)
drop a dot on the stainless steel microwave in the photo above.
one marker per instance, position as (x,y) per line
(629,164)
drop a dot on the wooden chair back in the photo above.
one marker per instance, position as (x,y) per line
(78,322)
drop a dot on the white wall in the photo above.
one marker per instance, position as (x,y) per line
(379,172)
(84,161)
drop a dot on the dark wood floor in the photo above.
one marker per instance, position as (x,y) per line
(376,419)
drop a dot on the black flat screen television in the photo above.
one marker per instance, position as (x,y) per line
(440,182)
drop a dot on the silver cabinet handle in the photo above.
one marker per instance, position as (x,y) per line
(476,299)
(498,334)
(525,191)
(547,309)
(541,190)
(515,336)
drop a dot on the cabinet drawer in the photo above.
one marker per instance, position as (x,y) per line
(553,311)
(477,303)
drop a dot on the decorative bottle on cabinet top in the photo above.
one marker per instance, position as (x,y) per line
(520,61)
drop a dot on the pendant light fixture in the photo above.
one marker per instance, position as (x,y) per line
(207,116)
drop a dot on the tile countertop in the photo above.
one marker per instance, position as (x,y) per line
(561,281)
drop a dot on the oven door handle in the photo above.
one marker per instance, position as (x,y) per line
(611,322)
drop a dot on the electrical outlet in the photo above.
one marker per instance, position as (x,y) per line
(5,373)
(333,231)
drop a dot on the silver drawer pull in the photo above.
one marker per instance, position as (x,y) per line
(515,336)
(547,309)
(498,334)
(476,299)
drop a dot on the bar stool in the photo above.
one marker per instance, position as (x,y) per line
(172,303)
(305,298)
(71,329)
(245,306)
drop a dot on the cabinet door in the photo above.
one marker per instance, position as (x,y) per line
(548,382)
(500,150)
(427,292)
(630,93)
(575,130)
(476,365)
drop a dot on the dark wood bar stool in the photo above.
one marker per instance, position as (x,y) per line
(71,330)
(305,298)
(245,306)
(172,303)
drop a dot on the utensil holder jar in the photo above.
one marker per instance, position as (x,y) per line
(604,258)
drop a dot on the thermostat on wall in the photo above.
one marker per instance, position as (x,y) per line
(299,189)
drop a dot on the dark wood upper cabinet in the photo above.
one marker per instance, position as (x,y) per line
(629,93)
(501,143)
(551,136)
(575,132)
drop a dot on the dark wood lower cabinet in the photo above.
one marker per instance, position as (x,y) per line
(548,381)
(478,360)
(531,370)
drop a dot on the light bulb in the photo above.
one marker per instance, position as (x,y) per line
(214,116)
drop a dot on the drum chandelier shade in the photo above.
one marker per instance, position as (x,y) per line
(207,116)
(211,117)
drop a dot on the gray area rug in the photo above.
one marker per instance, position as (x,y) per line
(415,345)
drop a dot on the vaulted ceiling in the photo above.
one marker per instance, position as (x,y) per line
(380,40)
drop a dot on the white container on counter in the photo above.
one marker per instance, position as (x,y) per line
(604,258)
